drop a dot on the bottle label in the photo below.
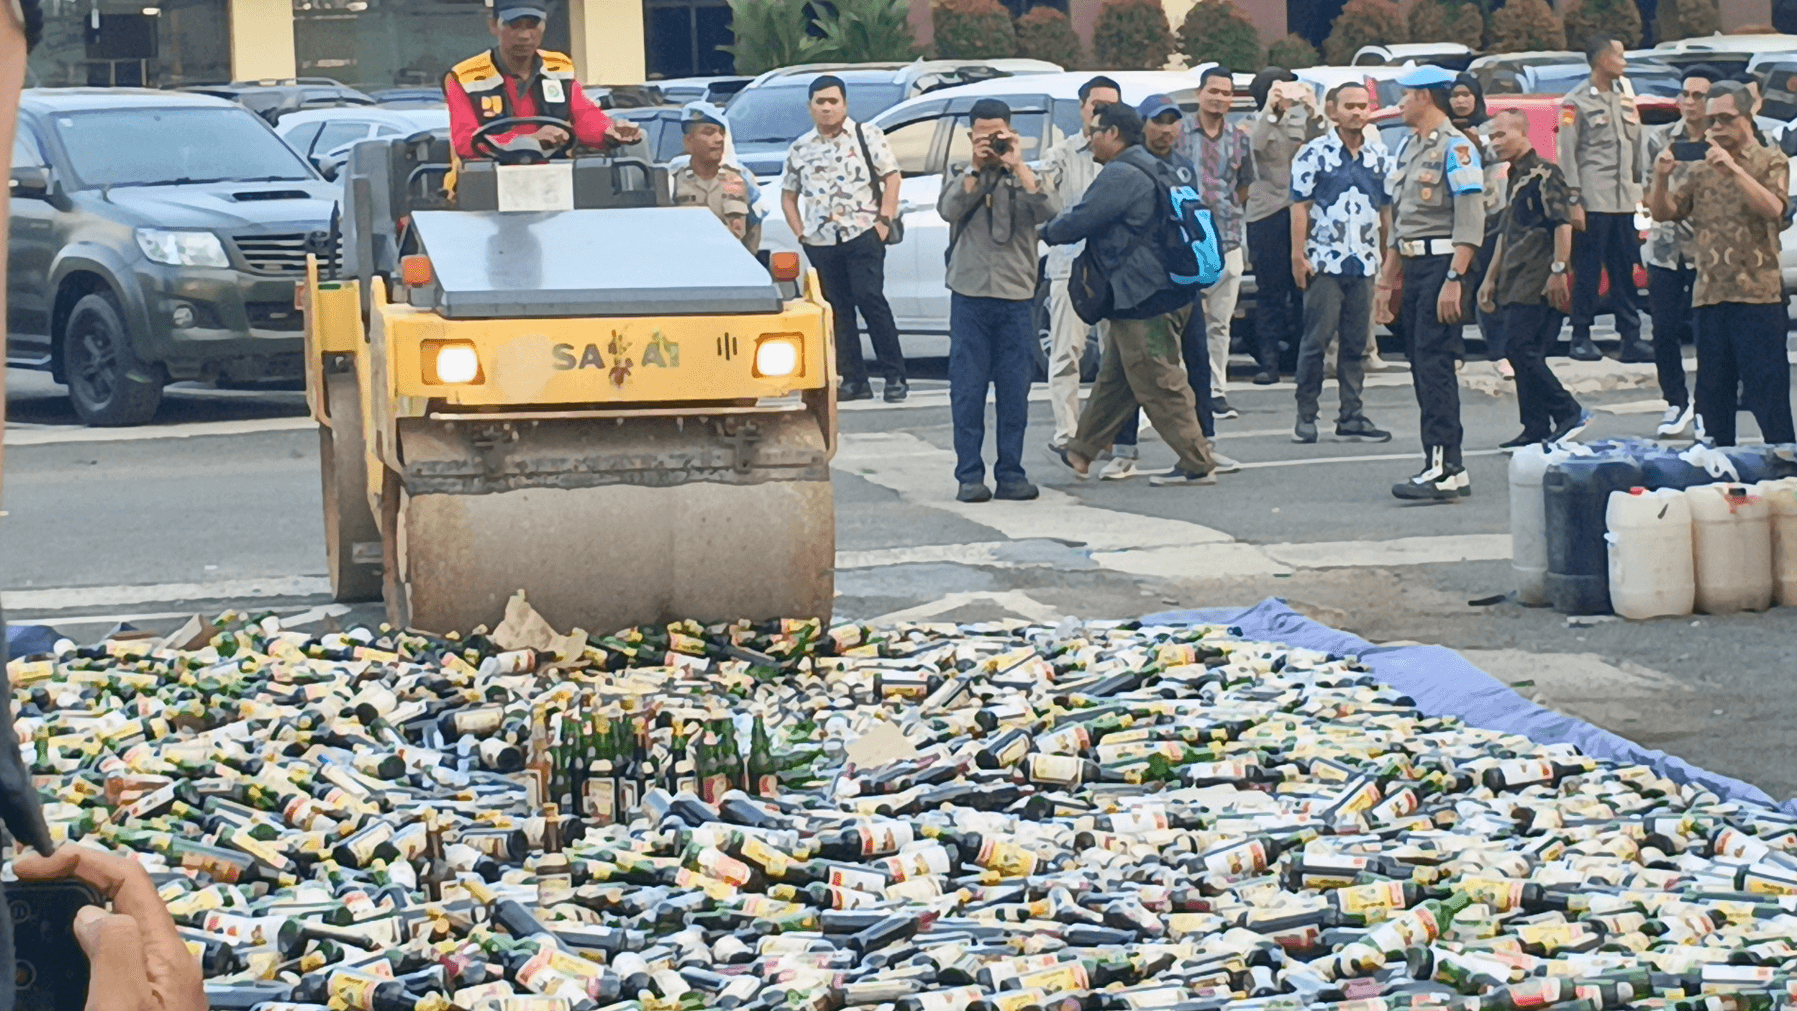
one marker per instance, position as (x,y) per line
(1058,977)
(600,800)
(1500,894)
(1366,900)
(771,860)
(855,877)
(767,785)
(1061,769)
(1007,860)
(1246,857)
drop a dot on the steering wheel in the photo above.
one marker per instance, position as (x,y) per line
(484,146)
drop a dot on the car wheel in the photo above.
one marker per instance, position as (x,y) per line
(107,384)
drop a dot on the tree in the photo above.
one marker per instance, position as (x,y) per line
(866,31)
(1524,26)
(1132,35)
(1045,34)
(1447,21)
(1217,31)
(1587,19)
(1294,52)
(1685,19)
(771,33)
(1364,23)
(973,30)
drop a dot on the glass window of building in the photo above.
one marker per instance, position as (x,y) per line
(376,44)
(154,43)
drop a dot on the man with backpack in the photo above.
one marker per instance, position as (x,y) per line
(1124,276)
(1162,120)
(994,206)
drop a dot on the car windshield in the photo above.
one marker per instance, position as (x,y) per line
(1559,79)
(153,147)
(778,115)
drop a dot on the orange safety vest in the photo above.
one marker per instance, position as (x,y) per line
(484,83)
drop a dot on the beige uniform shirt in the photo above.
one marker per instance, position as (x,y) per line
(1275,142)
(726,194)
(1066,171)
(1600,147)
(1438,190)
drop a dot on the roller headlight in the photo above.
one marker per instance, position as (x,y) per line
(778,356)
(451,362)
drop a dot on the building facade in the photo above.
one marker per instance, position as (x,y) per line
(376,44)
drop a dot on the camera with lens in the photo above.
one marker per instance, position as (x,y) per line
(1001,145)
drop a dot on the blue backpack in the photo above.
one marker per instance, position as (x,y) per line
(1188,238)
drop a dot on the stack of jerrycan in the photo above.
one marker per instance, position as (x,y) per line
(1609,527)
(1781,503)
(1575,495)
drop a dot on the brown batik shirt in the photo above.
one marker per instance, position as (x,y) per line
(1736,250)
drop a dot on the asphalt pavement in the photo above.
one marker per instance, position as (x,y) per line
(216,504)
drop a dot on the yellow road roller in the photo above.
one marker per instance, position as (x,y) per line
(550,380)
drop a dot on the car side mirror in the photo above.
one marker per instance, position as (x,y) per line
(326,166)
(31,181)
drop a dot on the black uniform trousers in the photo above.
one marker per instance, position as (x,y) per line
(1669,303)
(1744,343)
(1609,244)
(1433,346)
(1278,304)
(853,275)
(1530,330)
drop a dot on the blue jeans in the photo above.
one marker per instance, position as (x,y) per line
(989,344)
(1196,351)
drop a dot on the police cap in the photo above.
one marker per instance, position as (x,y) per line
(1428,77)
(507,11)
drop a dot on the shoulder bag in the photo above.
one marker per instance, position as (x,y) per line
(895,233)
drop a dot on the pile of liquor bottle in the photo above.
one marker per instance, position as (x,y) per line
(786,817)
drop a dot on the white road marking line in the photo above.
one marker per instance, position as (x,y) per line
(1368,458)
(69,598)
(923,474)
(979,553)
(1399,551)
(1652,406)
(1015,601)
(74,433)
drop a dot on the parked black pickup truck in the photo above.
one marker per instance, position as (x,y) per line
(156,236)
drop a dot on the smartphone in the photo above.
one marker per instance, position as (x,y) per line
(1690,150)
(50,967)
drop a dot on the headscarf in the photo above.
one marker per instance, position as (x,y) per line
(1479,115)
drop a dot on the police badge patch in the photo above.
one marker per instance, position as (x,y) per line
(552,91)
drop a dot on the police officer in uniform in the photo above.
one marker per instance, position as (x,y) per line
(517,78)
(1438,201)
(1599,150)
(706,180)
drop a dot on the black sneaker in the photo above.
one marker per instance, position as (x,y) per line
(1177,478)
(1360,430)
(1304,431)
(1265,378)
(974,491)
(1020,490)
(1438,481)
(1636,351)
(1569,428)
(854,391)
(1219,408)
(1524,439)
(1583,350)
(897,390)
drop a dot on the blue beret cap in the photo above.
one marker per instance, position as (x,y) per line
(1428,77)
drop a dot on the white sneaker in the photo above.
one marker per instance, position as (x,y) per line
(1674,422)
(1120,468)
(1221,464)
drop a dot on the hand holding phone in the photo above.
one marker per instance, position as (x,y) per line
(1690,150)
(134,957)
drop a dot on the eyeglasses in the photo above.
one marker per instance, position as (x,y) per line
(1693,94)
(1723,118)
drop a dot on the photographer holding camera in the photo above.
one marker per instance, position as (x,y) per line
(994,206)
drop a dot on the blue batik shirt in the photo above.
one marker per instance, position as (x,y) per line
(1346,193)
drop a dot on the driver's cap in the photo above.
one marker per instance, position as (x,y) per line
(507,11)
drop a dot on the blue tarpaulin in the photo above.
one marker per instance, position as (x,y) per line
(1443,683)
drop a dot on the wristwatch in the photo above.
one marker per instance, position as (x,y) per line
(1455,276)
(1557,267)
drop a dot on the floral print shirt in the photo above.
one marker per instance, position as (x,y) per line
(1346,193)
(835,188)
